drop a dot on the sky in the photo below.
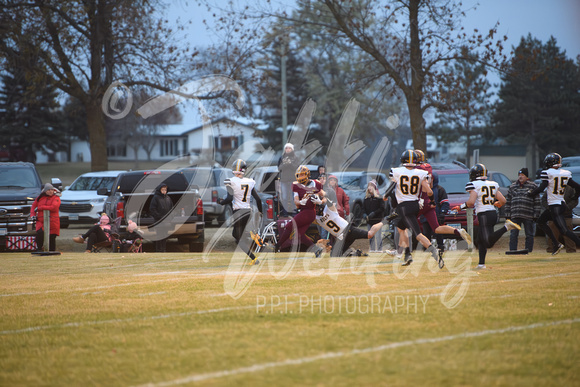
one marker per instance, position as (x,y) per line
(517,18)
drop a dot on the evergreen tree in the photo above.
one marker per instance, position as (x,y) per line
(30,116)
(464,95)
(539,100)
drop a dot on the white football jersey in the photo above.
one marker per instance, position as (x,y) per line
(408,183)
(242,188)
(557,180)
(332,222)
(485,190)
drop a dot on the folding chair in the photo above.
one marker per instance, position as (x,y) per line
(104,245)
(269,235)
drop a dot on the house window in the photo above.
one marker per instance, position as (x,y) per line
(227,143)
(118,150)
(169,147)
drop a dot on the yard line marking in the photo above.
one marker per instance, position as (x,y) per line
(215,273)
(335,355)
(151,294)
(120,320)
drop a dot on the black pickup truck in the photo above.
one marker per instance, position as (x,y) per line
(132,193)
(20,184)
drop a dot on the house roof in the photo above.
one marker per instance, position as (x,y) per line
(178,130)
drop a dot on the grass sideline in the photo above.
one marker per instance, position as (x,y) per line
(164,319)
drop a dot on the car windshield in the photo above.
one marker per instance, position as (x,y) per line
(268,184)
(19,178)
(349,180)
(454,183)
(85,183)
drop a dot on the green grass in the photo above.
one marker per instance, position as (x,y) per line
(121,320)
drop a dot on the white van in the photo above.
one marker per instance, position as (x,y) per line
(79,203)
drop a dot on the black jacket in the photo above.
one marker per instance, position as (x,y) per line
(374,208)
(287,165)
(160,204)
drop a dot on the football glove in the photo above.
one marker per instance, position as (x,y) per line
(303,201)
(315,199)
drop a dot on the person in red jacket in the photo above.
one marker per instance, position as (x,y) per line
(47,200)
(342,198)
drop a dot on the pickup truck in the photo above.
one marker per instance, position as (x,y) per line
(132,193)
(20,184)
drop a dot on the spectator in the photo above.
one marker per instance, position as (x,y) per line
(374,209)
(571,203)
(522,209)
(100,232)
(47,200)
(321,171)
(341,197)
(287,166)
(160,206)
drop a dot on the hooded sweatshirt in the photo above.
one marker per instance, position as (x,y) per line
(161,204)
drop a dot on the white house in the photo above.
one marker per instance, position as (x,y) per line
(168,142)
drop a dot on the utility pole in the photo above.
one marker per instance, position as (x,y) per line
(284,92)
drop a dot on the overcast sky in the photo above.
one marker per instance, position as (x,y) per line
(541,18)
(517,18)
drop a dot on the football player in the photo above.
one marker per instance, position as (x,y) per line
(427,208)
(240,189)
(556,179)
(485,196)
(345,233)
(303,188)
(410,181)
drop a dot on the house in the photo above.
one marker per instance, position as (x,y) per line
(507,159)
(168,142)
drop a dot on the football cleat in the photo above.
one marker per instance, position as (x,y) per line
(408,260)
(254,262)
(480,267)
(557,250)
(257,239)
(465,235)
(511,225)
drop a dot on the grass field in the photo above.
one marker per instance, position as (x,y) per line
(167,319)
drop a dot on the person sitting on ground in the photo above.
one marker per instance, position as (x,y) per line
(100,232)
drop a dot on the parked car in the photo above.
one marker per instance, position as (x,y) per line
(573,161)
(454,181)
(210,181)
(268,186)
(20,184)
(80,202)
(354,184)
(131,195)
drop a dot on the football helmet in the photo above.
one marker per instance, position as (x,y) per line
(553,160)
(239,166)
(302,174)
(478,172)
(421,158)
(409,158)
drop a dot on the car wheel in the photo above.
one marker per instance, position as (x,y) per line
(228,213)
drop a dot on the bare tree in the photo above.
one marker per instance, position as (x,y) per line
(83,46)
(403,42)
